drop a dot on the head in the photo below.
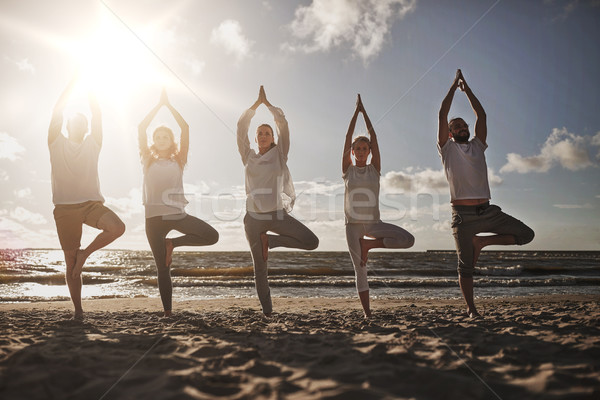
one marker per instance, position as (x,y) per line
(164,141)
(264,137)
(459,130)
(361,148)
(77,127)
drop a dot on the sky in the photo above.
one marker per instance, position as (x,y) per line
(533,65)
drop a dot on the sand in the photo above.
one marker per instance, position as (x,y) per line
(523,348)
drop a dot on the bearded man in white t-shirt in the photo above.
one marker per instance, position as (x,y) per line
(466,170)
(76,190)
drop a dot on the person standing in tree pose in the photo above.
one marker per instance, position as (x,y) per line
(361,204)
(466,170)
(164,201)
(76,190)
(270,195)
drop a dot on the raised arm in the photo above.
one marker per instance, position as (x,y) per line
(243,125)
(184,144)
(57,113)
(375,155)
(283,130)
(347,154)
(96,122)
(142,131)
(443,130)
(481,117)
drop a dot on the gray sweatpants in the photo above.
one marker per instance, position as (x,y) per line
(290,232)
(468,221)
(195,233)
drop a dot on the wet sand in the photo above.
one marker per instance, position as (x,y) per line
(543,347)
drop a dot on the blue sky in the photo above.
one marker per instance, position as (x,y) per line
(533,65)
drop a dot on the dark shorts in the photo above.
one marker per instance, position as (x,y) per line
(70,218)
(468,221)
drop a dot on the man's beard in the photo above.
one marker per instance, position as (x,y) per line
(461,138)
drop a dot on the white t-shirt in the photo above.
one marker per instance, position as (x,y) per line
(466,169)
(74,173)
(163,189)
(269,185)
(361,195)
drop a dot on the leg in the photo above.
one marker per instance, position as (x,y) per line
(264,241)
(386,236)
(156,231)
(253,228)
(195,233)
(507,231)
(291,233)
(354,234)
(74,284)
(69,220)
(464,232)
(364,301)
(112,227)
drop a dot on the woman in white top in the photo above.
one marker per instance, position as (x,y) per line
(361,204)
(164,199)
(270,195)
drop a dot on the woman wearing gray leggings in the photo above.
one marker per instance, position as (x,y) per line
(164,199)
(269,195)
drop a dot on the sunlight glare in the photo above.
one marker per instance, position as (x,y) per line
(113,63)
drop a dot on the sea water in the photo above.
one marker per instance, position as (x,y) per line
(38,274)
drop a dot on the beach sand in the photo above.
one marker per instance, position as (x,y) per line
(523,348)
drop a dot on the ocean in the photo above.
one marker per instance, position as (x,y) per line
(31,275)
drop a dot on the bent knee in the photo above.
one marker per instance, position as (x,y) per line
(213,238)
(118,229)
(526,236)
(410,241)
(312,243)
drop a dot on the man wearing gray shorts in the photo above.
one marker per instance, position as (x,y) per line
(76,190)
(466,170)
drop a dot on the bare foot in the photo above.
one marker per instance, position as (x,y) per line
(367,314)
(168,314)
(478,244)
(264,239)
(169,252)
(79,261)
(364,251)
(78,316)
(472,313)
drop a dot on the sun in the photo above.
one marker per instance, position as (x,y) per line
(114,62)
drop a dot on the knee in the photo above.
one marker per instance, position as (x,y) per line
(117,228)
(312,243)
(526,236)
(410,241)
(213,237)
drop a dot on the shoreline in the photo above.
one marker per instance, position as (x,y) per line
(294,304)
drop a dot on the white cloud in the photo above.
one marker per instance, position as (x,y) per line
(9,147)
(21,214)
(23,65)
(125,207)
(229,35)
(23,194)
(424,181)
(3,175)
(586,206)
(596,142)
(196,66)
(561,147)
(407,181)
(363,25)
